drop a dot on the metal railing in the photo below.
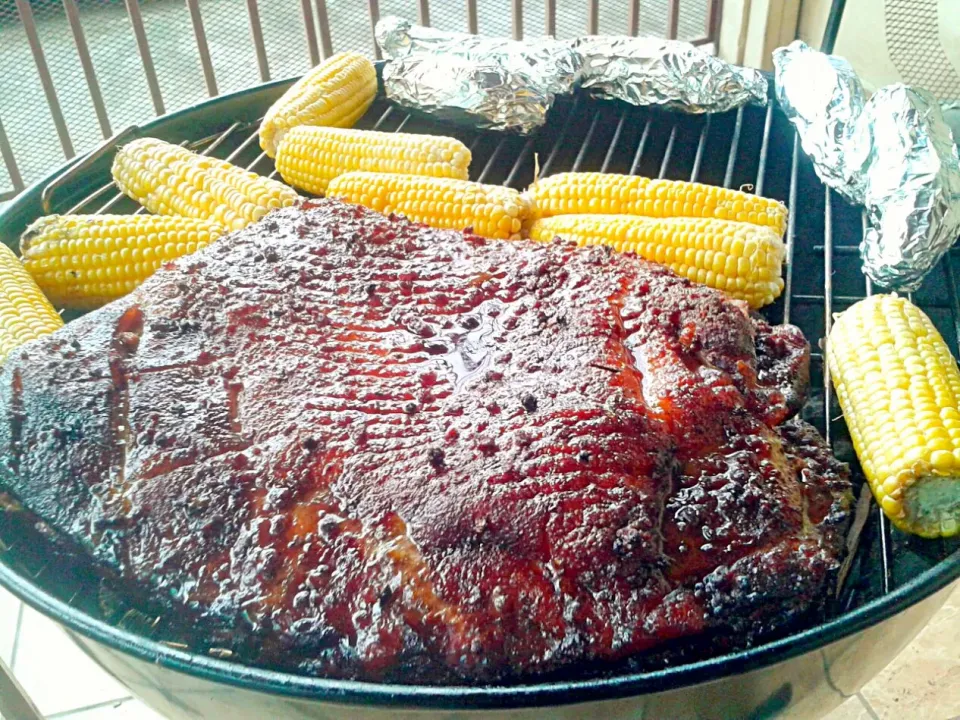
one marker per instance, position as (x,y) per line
(79,68)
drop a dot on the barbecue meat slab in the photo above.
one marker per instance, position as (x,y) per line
(359,447)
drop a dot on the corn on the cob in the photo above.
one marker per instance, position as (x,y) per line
(25,314)
(492,211)
(170,180)
(609,193)
(84,261)
(310,157)
(336,93)
(899,388)
(742,259)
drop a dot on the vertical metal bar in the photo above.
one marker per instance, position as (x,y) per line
(518,163)
(203,49)
(383,118)
(634,20)
(374,6)
(517,15)
(886,552)
(143,47)
(424,12)
(40,60)
(551,17)
(544,171)
(667,153)
(734,145)
(701,146)
(791,227)
(311,32)
(250,140)
(221,138)
(259,159)
(638,155)
(99,192)
(323,21)
(827,305)
(89,73)
(472,25)
(582,153)
(6,152)
(403,123)
(764,145)
(714,12)
(593,17)
(256,32)
(673,19)
(608,158)
(886,541)
(832,28)
(492,160)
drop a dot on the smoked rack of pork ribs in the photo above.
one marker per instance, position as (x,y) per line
(369,449)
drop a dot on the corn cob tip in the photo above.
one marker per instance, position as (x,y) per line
(899,388)
(25,312)
(168,179)
(35,230)
(931,506)
(336,93)
(81,262)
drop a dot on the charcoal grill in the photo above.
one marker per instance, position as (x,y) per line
(894,584)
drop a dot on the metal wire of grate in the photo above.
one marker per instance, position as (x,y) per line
(73,70)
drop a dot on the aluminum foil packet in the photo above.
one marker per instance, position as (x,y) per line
(912,186)
(672,73)
(552,63)
(823,97)
(490,83)
(466,92)
(893,153)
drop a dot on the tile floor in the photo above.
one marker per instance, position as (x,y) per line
(923,682)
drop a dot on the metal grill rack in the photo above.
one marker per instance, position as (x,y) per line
(754,148)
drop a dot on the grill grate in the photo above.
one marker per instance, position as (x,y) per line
(752,148)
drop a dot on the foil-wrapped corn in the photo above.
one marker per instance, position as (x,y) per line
(893,153)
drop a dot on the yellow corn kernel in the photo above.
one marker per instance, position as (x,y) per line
(745,262)
(613,194)
(492,211)
(336,93)
(84,261)
(170,180)
(25,313)
(310,157)
(909,456)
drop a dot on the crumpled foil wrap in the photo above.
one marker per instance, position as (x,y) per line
(487,82)
(672,73)
(893,153)
(823,97)
(552,63)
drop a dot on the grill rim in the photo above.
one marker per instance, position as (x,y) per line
(457,697)
(467,697)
